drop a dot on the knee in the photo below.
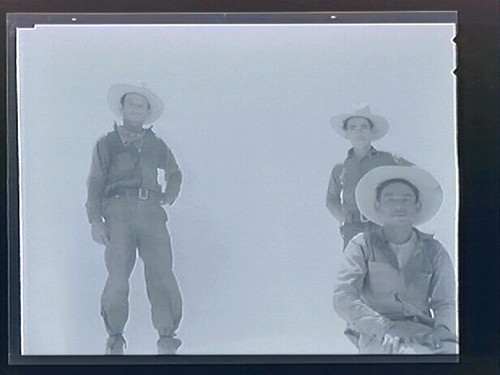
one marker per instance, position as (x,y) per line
(117,287)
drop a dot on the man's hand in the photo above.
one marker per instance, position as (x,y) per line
(433,339)
(100,233)
(168,199)
(337,210)
(391,344)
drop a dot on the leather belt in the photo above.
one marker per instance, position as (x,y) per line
(136,192)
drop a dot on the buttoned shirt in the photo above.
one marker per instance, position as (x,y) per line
(372,289)
(345,177)
(119,162)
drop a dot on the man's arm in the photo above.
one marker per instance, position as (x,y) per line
(173,175)
(333,201)
(347,293)
(95,188)
(443,299)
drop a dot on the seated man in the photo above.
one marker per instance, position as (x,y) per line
(396,285)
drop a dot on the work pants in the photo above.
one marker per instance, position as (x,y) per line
(139,225)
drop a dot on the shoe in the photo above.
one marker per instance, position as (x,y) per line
(168,345)
(115,345)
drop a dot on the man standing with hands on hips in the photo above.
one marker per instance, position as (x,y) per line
(124,207)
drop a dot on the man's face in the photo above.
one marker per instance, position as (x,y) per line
(358,131)
(398,204)
(135,108)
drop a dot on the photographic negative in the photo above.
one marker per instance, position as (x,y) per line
(248,104)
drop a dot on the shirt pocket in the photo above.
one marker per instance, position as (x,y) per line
(123,165)
(382,277)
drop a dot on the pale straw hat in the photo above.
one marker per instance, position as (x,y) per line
(430,191)
(117,91)
(380,124)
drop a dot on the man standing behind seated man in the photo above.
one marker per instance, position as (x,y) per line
(396,285)
(361,128)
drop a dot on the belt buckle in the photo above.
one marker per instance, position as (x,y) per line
(143,193)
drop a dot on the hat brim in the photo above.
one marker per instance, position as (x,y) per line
(430,191)
(380,124)
(117,91)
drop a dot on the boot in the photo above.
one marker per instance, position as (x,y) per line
(115,345)
(168,345)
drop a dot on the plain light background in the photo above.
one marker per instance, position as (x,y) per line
(247,111)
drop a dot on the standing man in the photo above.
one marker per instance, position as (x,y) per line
(124,208)
(396,285)
(361,128)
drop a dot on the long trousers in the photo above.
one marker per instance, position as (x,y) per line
(136,225)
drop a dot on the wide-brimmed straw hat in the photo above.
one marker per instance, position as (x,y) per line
(380,124)
(430,191)
(117,91)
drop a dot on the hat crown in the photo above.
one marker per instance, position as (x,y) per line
(362,109)
(143,85)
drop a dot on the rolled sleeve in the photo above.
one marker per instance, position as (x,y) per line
(347,299)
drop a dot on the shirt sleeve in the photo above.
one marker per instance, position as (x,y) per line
(173,175)
(443,291)
(96,180)
(347,299)
(333,199)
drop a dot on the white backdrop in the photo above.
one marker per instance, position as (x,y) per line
(247,117)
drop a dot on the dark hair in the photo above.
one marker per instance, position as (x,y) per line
(382,185)
(122,99)
(344,126)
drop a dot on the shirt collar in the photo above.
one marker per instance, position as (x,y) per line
(373,151)
(417,238)
(420,236)
(127,136)
(411,241)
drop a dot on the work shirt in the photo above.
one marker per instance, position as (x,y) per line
(134,164)
(345,177)
(372,289)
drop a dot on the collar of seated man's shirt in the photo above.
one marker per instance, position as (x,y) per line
(403,251)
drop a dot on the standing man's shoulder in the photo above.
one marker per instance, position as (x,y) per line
(399,160)
(159,139)
(104,138)
(163,145)
(394,159)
